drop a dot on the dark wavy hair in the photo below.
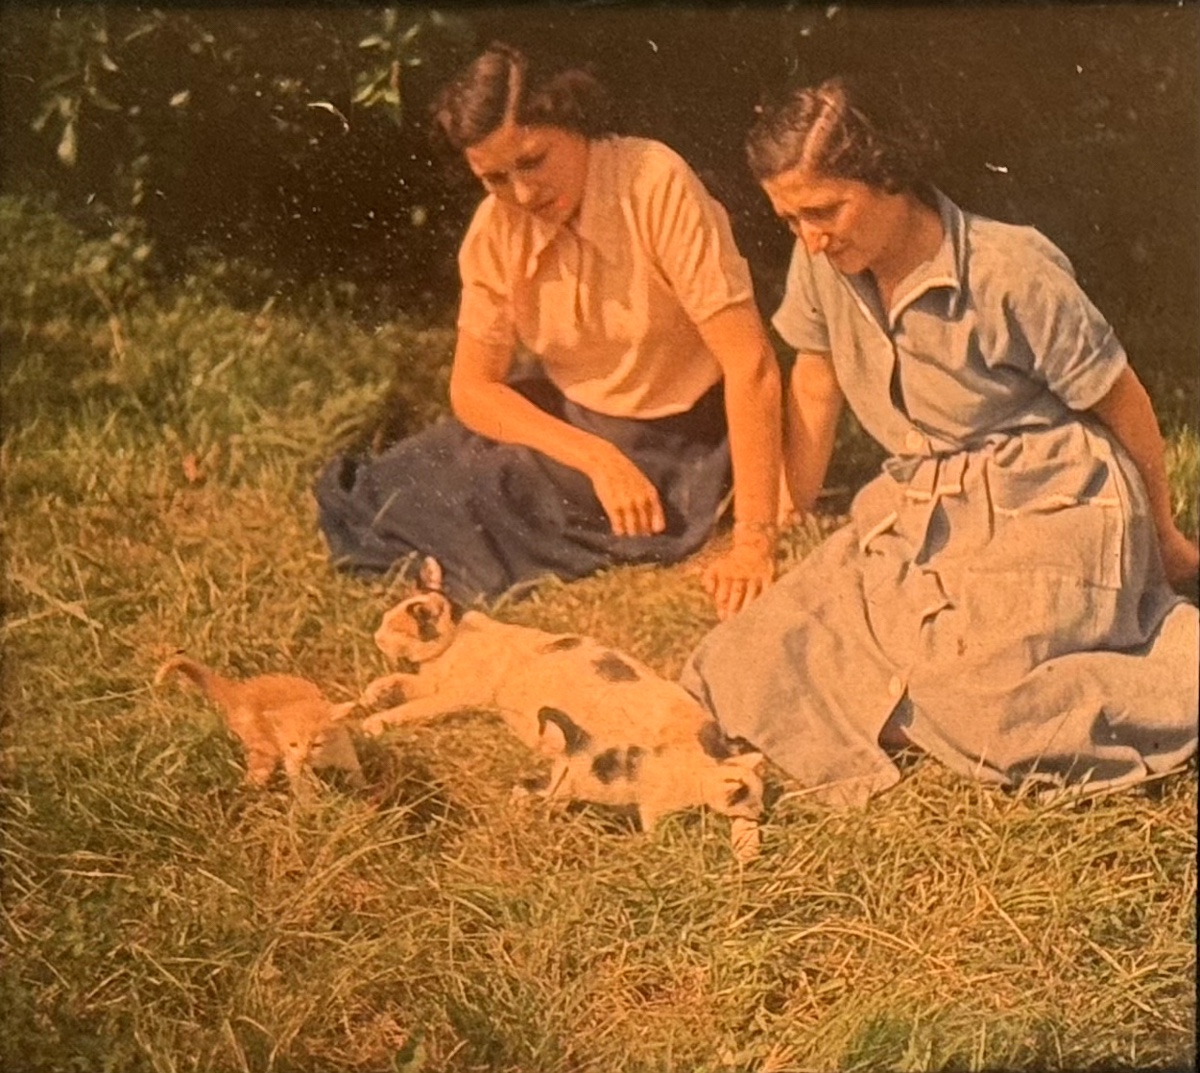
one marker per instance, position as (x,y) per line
(504,82)
(844,128)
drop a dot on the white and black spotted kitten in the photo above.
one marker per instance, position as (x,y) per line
(615,732)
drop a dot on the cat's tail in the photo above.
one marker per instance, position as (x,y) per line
(208,681)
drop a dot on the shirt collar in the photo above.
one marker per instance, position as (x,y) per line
(946,268)
(593,222)
(541,234)
(952,256)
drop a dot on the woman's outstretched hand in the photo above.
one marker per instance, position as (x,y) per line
(740,575)
(629,499)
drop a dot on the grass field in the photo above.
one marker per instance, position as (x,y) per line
(159,446)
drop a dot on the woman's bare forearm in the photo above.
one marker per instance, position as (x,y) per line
(1128,413)
(812,405)
(483,401)
(752,408)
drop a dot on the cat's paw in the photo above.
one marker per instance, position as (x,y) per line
(386,690)
(528,789)
(372,726)
(745,836)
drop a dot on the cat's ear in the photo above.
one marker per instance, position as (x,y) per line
(574,738)
(338,712)
(740,746)
(430,576)
(712,740)
(717,744)
(748,761)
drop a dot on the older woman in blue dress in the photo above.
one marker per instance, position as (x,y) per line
(1002,597)
(605,260)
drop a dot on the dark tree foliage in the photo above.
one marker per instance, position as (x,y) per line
(1080,119)
(292,136)
(298,136)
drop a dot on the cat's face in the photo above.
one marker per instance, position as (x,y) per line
(417,629)
(295,745)
(734,786)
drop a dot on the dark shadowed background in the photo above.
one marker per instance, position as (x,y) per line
(295,138)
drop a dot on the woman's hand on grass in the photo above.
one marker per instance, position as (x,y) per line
(741,575)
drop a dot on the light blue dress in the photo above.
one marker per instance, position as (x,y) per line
(997,597)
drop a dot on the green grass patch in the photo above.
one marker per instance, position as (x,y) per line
(158,449)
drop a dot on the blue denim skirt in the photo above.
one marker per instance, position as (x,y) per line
(499,517)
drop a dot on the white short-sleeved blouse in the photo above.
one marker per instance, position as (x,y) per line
(610,302)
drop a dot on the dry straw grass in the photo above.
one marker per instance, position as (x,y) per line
(158,916)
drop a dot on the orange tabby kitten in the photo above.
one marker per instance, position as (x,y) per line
(276,717)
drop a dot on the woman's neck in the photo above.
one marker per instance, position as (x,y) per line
(916,237)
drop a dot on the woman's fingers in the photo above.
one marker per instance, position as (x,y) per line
(629,499)
(736,594)
(623,521)
(737,579)
(639,518)
(647,515)
(658,517)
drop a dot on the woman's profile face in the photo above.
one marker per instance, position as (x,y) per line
(853,224)
(538,169)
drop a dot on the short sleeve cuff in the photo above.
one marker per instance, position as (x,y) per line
(1090,381)
(484,311)
(800,332)
(482,318)
(693,237)
(799,320)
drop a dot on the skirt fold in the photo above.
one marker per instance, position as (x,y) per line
(498,516)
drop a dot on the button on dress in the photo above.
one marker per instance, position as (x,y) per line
(997,597)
